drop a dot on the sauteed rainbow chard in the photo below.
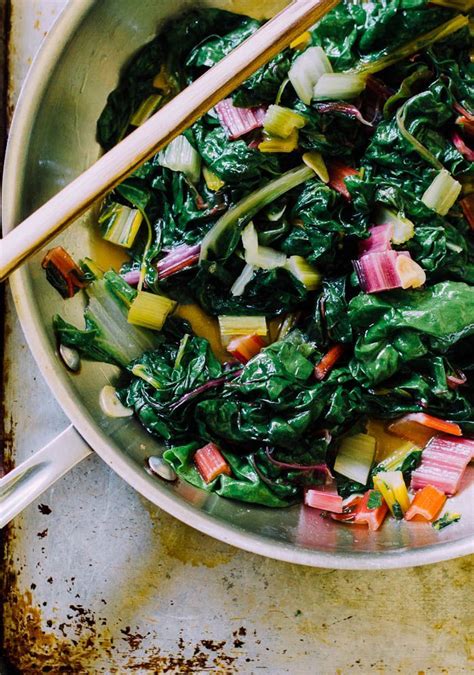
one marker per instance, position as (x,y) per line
(323,217)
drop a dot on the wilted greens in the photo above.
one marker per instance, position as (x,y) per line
(275,421)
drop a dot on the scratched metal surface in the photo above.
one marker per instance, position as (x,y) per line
(96,579)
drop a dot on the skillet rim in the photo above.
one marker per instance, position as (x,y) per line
(38,78)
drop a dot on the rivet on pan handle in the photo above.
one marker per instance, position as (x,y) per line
(31,478)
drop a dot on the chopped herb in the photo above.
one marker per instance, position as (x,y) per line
(397,511)
(375,500)
(447,519)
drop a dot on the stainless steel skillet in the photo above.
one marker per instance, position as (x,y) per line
(52,141)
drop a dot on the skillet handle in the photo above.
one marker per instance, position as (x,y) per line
(30,479)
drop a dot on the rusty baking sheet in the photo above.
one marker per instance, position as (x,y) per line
(97,580)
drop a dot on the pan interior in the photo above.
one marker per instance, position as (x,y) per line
(53,140)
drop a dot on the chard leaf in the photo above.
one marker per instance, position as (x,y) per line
(401,326)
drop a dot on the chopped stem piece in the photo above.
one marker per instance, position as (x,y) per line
(211,463)
(324,497)
(62,272)
(368,514)
(402,228)
(234,326)
(302,41)
(300,268)
(120,224)
(246,347)
(239,285)
(213,181)
(334,86)
(411,274)
(394,491)
(277,144)
(328,361)
(178,259)
(306,71)
(238,121)
(338,172)
(316,162)
(149,310)
(427,503)
(146,109)
(282,122)
(355,457)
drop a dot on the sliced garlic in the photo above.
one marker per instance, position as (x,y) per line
(158,466)
(110,404)
(70,357)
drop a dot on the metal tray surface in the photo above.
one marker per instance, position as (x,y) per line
(46,151)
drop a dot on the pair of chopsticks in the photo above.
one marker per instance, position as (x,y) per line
(176,116)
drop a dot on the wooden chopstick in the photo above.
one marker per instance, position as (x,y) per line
(176,116)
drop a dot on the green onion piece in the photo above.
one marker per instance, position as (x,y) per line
(146,109)
(149,310)
(120,224)
(416,45)
(300,268)
(442,193)
(336,86)
(233,326)
(355,456)
(276,144)
(239,285)
(281,121)
(306,71)
(180,155)
(243,211)
(403,228)
(415,143)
